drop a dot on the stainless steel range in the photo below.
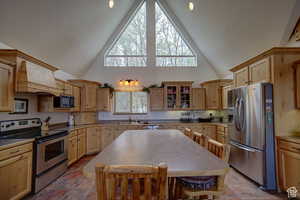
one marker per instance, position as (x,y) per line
(50,149)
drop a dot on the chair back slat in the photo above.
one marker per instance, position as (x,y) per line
(131,182)
(220,150)
(200,139)
(189,133)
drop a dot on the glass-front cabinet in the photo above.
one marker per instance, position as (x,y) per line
(178,95)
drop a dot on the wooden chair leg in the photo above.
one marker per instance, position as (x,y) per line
(178,191)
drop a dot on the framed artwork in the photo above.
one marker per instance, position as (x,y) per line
(21,106)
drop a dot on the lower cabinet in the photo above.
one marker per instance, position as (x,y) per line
(15,172)
(81,143)
(93,141)
(288,155)
(72,150)
(210,131)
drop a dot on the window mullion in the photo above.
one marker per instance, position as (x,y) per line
(151,33)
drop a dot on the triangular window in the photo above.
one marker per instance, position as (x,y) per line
(171,49)
(130,48)
(166,44)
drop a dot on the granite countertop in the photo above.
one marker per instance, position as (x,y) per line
(8,143)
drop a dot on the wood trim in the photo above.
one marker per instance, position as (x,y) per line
(84,81)
(6,62)
(17,53)
(177,82)
(275,50)
(223,81)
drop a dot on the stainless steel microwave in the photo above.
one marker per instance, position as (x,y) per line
(63,102)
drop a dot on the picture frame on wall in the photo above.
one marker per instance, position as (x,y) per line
(21,106)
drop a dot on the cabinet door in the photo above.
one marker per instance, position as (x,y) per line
(107,136)
(89,97)
(156,99)
(289,168)
(198,98)
(72,150)
(81,144)
(15,176)
(210,131)
(103,99)
(260,71)
(185,97)
(241,77)
(93,140)
(68,89)
(76,94)
(6,88)
(212,96)
(225,97)
(171,97)
(297,85)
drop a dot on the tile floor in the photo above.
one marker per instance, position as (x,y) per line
(74,186)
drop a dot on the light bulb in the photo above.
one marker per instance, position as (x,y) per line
(126,83)
(111,3)
(121,83)
(191,6)
(136,83)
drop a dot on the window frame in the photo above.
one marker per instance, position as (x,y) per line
(129,113)
(151,57)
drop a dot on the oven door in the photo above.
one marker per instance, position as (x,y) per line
(50,152)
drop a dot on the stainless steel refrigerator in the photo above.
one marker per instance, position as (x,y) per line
(252,133)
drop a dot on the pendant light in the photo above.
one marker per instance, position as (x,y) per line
(191,5)
(111,3)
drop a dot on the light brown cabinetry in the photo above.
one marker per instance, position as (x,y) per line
(93,141)
(88,94)
(241,77)
(198,99)
(213,93)
(256,72)
(156,99)
(81,143)
(288,155)
(15,172)
(222,133)
(104,98)
(6,88)
(210,131)
(225,90)
(178,95)
(73,149)
(297,82)
(76,94)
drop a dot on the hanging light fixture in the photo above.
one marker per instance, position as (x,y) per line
(129,83)
(111,3)
(191,5)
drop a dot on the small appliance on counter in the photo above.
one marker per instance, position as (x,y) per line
(50,148)
(186,117)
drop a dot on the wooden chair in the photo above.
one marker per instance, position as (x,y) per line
(131,182)
(200,139)
(220,150)
(188,132)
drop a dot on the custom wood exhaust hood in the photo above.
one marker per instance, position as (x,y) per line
(31,75)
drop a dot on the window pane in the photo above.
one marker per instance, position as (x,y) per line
(170,43)
(122,102)
(132,42)
(176,61)
(139,102)
(126,61)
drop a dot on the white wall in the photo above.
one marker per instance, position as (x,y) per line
(4,46)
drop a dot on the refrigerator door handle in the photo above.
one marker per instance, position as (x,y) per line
(244,148)
(236,122)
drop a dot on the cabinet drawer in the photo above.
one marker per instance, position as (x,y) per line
(289,146)
(73,133)
(15,151)
(221,128)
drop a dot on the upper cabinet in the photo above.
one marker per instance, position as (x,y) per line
(178,95)
(88,94)
(256,72)
(213,93)
(198,99)
(104,99)
(31,75)
(77,97)
(225,90)
(6,87)
(156,99)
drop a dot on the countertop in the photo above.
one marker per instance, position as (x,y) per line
(8,143)
(291,138)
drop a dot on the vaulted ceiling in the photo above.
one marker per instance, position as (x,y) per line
(70,33)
